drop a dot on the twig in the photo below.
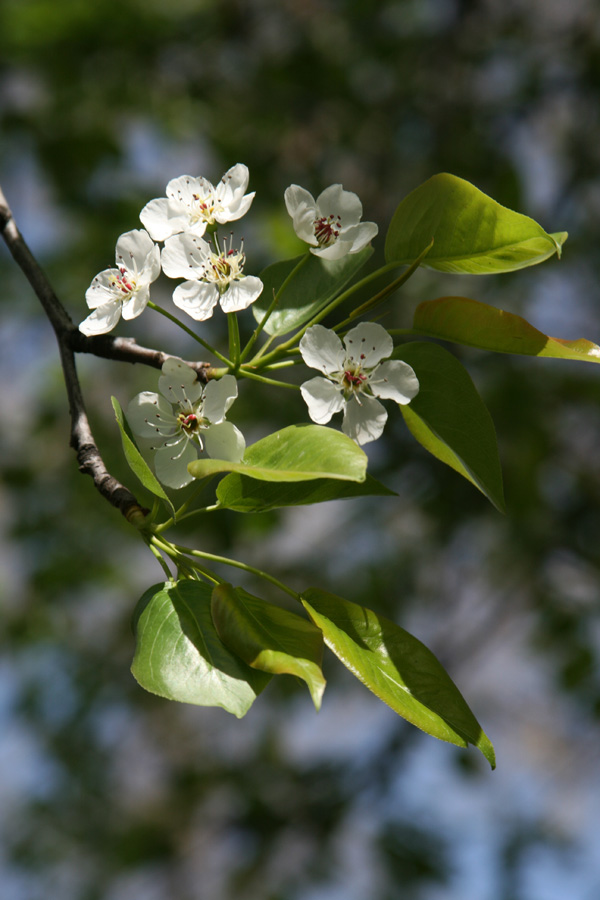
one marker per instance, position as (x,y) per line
(71,341)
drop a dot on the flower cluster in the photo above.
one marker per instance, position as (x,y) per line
(188,417)
(354,377)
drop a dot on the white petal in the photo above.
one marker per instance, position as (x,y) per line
(322,398)
(322,349)
(146,412)
(225,441)
(102,291)
(160,219)
(297,201)
(235,211)
(394,380)
(136,304)
(171,468)
(184,256)
(179,382)
(241,294)
(334,200)
(219,394)
(364,419)
(102,320)
(368,343)
(334,251)
(196,298)
(136,250)
(230,193)
(359,235)
(181,190)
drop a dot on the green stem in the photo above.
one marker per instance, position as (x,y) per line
(267,315)
(182,561)
(244,372)
(180,513)
(238,565)
(189,331)
(161,561)
(234,339)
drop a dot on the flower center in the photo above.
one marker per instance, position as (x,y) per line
(189,423)
(225,267)
(123,284)
(327,229)
(353,379)
(204,208)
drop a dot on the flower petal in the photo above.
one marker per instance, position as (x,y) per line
(335,251)
(146,412)
(136,304)
(335,201)
(225,441)
(138,253)
(359,235)
(323,399)
(219,394)
(230,192)
(170,465)
(322,349)
(102,291)
(196,298)
(241,294)
(394,380)
(179,382)
(102,320)
(161,219)
(184,256)
(298,200)
(364,419)
(368,343)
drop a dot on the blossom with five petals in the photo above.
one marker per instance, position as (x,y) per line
(354,377)
(211,276)
(125,290)
(331,223)
(187,417)
(192,204)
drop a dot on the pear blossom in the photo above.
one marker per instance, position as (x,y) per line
(192,204)
(331,223)
(354,377)
(123,291)
(212,275)
(186,417)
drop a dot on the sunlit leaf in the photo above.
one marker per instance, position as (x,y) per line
(476,324)
(296,453)
(269,638)
(471,232)
(398,668)
(249,495)
(449,418)
(180,656)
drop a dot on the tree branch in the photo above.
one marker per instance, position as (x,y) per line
(71,341)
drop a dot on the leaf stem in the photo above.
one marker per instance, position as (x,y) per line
(189,331)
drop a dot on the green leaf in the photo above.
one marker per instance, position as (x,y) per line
(398,668)
(296,453)
(476,324)
(471,232)
(248,495)
(179,655)
(315,284)
(269,638)
(136,461)
(449,418)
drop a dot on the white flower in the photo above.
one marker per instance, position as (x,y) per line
(331,223)
(187,417)
(125,290)
(193,203)
(211,276)
(354,376)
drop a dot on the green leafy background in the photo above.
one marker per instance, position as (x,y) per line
(111,792)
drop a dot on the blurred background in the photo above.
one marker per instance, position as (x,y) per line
(109,793)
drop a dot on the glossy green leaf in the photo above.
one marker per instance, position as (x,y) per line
(315,284)
(449,418)
(269,638)
(398,668)
(471,232)
(179,655)
(296,453)
(248,495)
(476,324)
(136,461)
